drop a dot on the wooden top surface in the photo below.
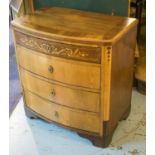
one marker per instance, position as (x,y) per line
(75,24)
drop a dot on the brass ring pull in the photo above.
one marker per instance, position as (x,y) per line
(50,69)
(53,93)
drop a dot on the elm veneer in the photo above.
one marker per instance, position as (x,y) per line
(76,69)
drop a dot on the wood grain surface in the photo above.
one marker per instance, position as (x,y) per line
(65,71)
(66,96)
(75,25)
(73,118)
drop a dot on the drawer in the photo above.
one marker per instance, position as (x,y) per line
(58,69)
(65,116)
(81,53)
(75,98)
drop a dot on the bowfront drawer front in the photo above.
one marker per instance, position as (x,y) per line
(81,53)
(66,71)
(66,96)
(65,116)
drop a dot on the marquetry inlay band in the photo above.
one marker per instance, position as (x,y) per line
(90,54)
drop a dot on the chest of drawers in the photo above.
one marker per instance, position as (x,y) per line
(76,69)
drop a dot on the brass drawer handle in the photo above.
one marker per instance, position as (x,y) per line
(56,114)
(50,69)
(53,93)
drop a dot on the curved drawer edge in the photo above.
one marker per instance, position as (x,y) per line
(32,114)
(68,117)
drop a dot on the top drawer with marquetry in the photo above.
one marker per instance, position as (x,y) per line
(68,51)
